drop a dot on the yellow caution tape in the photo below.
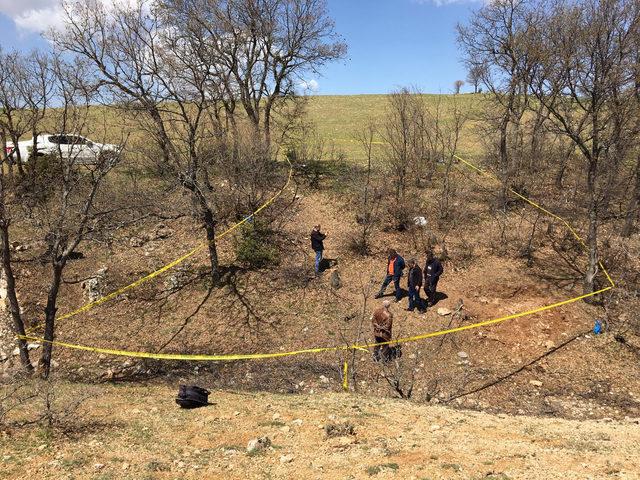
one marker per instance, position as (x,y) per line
(254,356)
(345,378)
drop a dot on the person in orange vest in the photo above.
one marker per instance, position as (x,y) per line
(395,266)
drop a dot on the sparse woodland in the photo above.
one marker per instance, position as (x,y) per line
(203,97)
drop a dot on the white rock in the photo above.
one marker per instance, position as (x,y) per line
(463,355)
(443,312)
(286,459)
(98,466)
(420,221)
(258,444)
(535,383)
(297,422)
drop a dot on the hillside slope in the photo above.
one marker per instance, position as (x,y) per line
(138,432)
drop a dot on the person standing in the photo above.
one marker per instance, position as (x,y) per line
(395,266)
(317,244)
(414,284)
(432,271)
(382,322)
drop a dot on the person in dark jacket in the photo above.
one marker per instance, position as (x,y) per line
(414,285)
(432,271)
(317,244)
(395,266)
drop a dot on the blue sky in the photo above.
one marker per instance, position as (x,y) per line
(392,43)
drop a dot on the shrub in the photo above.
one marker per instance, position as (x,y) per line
(254,246)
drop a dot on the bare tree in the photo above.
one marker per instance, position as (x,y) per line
(70,217)
(7,268)
(13,104)
(407,150)
(260,49)
(492,42)
(448,136)
(149,68)
(474,75)
(34,82)
(584,55)
(368,195)
(457,85)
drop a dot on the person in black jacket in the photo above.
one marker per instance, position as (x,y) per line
(414,285)
(432,271)
(317,244)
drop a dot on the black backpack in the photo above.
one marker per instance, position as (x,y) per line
(190,396)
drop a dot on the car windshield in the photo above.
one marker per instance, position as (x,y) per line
(69,140)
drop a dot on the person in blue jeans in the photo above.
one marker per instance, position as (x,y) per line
(317,244)
(395,266)
(414,285)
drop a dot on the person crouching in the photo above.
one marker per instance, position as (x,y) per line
(382,322)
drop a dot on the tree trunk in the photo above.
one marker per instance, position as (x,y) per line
(210,227)
(18,155)
(31,164)
(562,168)
(14,306)
(633,209)
(592,237)
(3,141)
(504,159)
(50,316)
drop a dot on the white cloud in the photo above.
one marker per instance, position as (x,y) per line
(309,85)
(13,8)
(41,15)
(40,20)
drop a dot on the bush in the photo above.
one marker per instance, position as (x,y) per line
(254,246)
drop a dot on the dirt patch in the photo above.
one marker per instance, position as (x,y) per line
(152,438)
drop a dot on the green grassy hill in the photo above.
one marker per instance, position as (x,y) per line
(339,118)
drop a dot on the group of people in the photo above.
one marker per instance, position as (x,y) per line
(431,274)
(382,318)
(416,278)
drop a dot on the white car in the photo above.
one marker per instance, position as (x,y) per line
(70,147)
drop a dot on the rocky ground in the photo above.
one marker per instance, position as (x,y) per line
(137,432)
